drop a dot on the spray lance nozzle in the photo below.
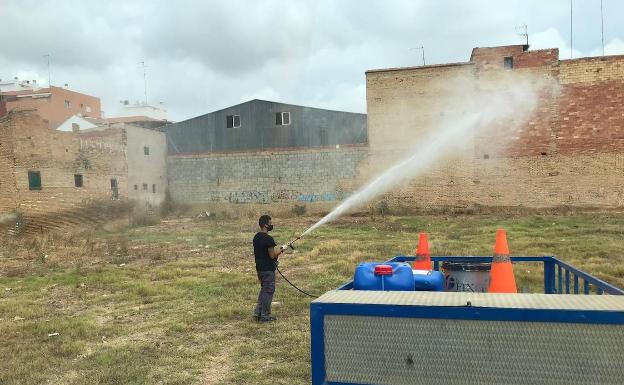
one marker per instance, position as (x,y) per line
(290,244)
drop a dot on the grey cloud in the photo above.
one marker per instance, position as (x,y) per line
(205,55)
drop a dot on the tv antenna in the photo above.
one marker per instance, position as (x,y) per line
(423,52)
(602,27)
(144,81)
(49,76)
(523,30)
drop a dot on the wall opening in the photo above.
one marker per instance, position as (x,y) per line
(282,118)
(508,63)
(78,180)
(114,189)
(145,150)
(232,121)
(34,180)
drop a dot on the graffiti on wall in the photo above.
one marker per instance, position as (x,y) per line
(285,195)
(248,197)
(252,196)
(328,196)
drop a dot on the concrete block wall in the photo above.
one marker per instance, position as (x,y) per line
(286,176)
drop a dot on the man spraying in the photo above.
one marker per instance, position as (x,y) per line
(266,259)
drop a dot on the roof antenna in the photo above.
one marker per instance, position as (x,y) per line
(571,56)
(523,30)
(423,53)
(602,27)
(144,81)
(49,77)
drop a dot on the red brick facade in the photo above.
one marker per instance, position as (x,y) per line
(569,151)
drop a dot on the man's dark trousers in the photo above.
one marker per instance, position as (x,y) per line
(265,297)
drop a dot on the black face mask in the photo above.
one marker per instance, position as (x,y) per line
(269,227)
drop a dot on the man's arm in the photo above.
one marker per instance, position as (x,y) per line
(274,254)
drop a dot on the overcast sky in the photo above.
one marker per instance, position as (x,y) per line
(205,55)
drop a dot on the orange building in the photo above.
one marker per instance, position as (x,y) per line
(54,104)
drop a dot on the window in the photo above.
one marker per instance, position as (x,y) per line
(88,108)
(232,121)
(145,150)
(508,63)
(154,189)
(75,127)
(67,104)
(486,156)
(136,187)
(77,180)
(282,118)
(114,189)
(81,106)
(34,180)
(144,186)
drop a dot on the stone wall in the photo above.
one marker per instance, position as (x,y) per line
(285,176)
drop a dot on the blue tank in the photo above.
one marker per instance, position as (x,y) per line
(425,280)
(389,276)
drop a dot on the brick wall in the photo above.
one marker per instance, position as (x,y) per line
(286,176)
(570,150)
(8,191)
(98,156)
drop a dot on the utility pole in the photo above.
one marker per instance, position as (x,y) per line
(144,81)
(570,29)
(526,32)
(423,53)
(49,76)
(602,27)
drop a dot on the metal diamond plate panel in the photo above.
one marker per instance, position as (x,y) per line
(398,351)
(514,301)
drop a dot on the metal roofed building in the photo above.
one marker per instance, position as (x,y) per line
(260,125)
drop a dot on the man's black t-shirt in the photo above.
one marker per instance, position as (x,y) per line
(261,243)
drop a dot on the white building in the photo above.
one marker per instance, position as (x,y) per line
(158,112)
(76,123)
(15,84)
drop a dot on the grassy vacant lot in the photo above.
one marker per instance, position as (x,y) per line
(172,303)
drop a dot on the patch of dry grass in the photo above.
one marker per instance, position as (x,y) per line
(171,303)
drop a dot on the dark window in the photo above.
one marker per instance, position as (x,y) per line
(145,150)
(508,63)
(34,180)
(136,186)
(282,118)
(486,156)
(114,189)
(154,188)
(323,137)
(67,104)
(75,127)
(77,180)
(145,186)
(232,121)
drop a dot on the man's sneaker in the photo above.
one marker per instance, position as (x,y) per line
(268,319)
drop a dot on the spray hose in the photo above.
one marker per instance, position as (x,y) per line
(290,244)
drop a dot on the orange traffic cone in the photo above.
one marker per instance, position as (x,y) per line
(502,278)
(423,257)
